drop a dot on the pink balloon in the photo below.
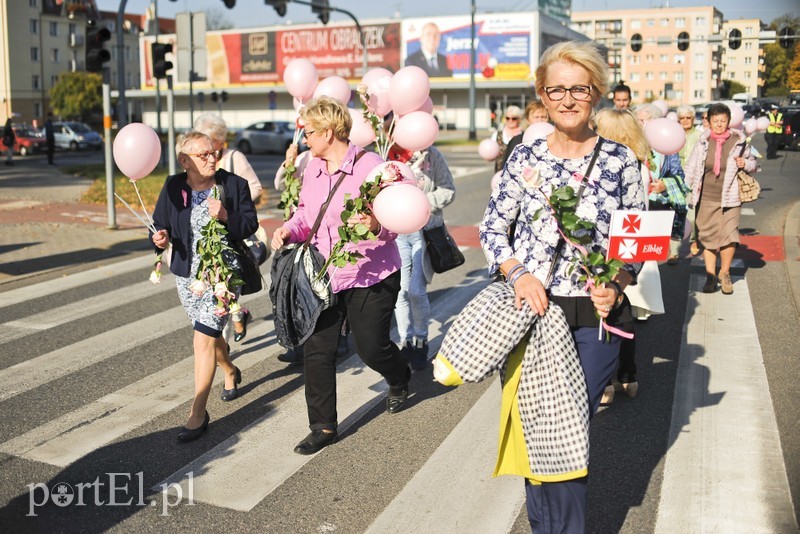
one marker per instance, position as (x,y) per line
(426,107)
(361,134)
(665,136)
(750,126)
(379,101)
(662,106)
(335,87)
(375,74)
(416,131)
(488,149)
(409,88)
(402,208)
(397,169)
(672,116)
(496,180)
(137,150)
(537,130)
(763,124)
(300,77)
(737,116)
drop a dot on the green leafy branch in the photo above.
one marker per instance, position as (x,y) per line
(290,196)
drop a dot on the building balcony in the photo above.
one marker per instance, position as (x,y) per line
(75,40)
(75,65)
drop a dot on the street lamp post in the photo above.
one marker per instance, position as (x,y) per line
(473,135)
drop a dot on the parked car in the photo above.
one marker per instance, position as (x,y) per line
(266,136)
(791,128)
(74,135)
(29,141)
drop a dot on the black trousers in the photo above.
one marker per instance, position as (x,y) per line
(369,311)
(773,140)
(51,149)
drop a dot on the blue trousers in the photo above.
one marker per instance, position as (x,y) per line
(560,507)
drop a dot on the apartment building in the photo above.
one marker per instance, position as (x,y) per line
(661,68)
(745,64)
(41,39)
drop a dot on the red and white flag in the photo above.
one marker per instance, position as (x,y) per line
(637,236)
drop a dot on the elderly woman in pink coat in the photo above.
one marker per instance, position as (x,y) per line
(711,173)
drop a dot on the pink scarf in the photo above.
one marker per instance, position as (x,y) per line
(720,139)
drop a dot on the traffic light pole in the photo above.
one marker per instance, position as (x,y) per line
(171,127)
(112,212)
(473,134)
(158,84)
(122,105)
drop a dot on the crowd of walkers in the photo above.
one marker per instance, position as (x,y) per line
(617,169)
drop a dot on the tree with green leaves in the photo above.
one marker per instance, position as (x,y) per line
(77,95)
(793,81)
(777,65)
(730,88)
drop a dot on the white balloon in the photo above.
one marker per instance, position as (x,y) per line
(537,130)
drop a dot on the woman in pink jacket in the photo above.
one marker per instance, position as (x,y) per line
(711,173)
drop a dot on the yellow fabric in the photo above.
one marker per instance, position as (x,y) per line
(774,118)
(512,451)
(445,373)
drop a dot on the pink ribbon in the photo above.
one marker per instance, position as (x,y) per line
(185,198)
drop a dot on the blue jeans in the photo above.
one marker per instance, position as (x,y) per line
(413,309)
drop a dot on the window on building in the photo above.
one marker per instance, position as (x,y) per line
(635,95)
(34,53)
(699,75)
(128,80)
(72,28)
(699,21)
(664,23)
(651,23)
(636,59)
(679,59)
(748,61)
(662,76)
(636,24)
(663,58)
(648,94)
(36,82)
(649,58)
(34,26)
(54,29)
(699,58)
(680,22)
(649,76)
(53,80)
(127,53)
(748,46)
(748,31)
(32,3)
(732,76)
(54,55)
(678,76)
(635,77)
(731,61)
(37,107)
(699,93)
(747,74)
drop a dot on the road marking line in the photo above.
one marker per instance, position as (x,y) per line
(724,470)
(452,492)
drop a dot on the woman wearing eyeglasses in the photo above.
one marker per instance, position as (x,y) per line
(185,205)
(686,116)
(512,126)
(570,80)
(366,292)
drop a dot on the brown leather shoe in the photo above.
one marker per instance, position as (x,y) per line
(725,282)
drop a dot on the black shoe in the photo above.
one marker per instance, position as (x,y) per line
(407,351)
(315,442)
(292,356)
(419,358)
(238,336)
(398,395)
(711,284)
(230,394)
(186,435)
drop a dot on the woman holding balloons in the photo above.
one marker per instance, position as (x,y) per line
(186,203)
(366,291)
(413,308)
(570,80)
(711,174)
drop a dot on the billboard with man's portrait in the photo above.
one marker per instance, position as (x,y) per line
(441,45)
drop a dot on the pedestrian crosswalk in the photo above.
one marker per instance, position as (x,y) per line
(245,464)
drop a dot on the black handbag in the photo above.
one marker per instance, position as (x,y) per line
(250,272)
(442,249)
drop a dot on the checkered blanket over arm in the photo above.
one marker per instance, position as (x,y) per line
(552,396)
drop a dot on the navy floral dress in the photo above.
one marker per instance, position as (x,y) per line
(200,309)
(531,171)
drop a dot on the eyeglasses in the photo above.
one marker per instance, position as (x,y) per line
(205,155)
(581,93)
(686,117)
(306,133)
(512,118)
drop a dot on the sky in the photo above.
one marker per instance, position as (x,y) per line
(254,13)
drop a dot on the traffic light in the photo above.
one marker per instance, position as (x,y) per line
(734,39)
(636,42)
(96,55)
(229,3)
(279,5)
(322,9)
(683,41)
(786,37)
(159,53)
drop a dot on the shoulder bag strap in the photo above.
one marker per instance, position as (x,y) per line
(231,160)
(561,241)
(324,207)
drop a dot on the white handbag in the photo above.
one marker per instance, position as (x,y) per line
(646,294)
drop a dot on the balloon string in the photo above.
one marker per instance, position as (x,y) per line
(144,209)
(150,227)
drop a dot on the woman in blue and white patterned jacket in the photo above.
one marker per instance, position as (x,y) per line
(570,80)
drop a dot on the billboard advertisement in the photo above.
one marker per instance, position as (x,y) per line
(259,56)
(441,46)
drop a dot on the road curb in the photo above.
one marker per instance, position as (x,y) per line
(791,243)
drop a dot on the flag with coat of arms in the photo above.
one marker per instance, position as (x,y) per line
(638,236)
